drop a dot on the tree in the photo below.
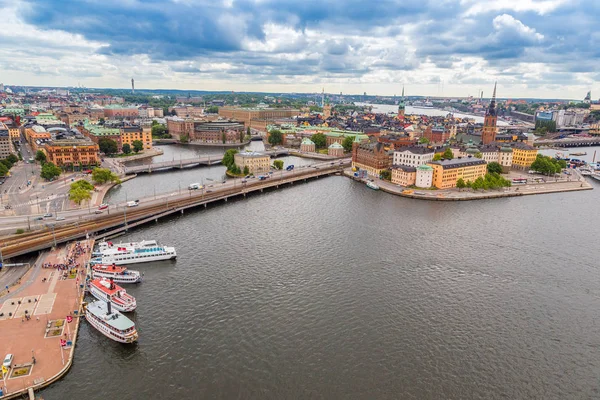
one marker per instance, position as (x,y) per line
(347,143)
(320,140)
(12,158)
(447,154)
(275,137)
(103,175)
(424,140)
(50,171)
(101,121)
(223,137)
(40,156)
(108,146)
(158,130)
(278,164)
(248,132)
(228,158)
(6,163)
(138,145)
(212,110)
(246,170)
(79,194)
(542,126)
(437,157)
(126,148)
(82,184)
(3,170)
(478,155)
(386,174)
(494,167)
(460,183)
(547,165)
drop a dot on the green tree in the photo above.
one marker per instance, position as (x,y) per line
(347,143)
(494,167)
(547,165)
(12,158)
(460,183)
(386,175)
(228,158)
(79,194)
(246,170)
(126,148)
(278,164)
(50,171)
(108,146)
(478,155)
(212,110)
(158,130)
(101,121)
(437,157)
(542,126)
(40,156)
(275,137)
(3,170)
(6,163)
(424,140)
(103,175)
(138,145)
(82,184)
(447,154)
(320,140)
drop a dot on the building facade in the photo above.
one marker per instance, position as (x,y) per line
(488,135)
(403,175)
(6,147)
(447,172)
(523,155)
(424,176)
(335,150)
(218,132)
(179,127)
(257,163)
(71,153)
(371,157)
(413,156)
(130,134)
(245,115)
(308,146)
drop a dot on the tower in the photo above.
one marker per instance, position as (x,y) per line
(132,86)
(323,98)
(489,123)
(401,106)
(326,111)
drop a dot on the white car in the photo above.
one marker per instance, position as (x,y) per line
(8,361)
(60,218)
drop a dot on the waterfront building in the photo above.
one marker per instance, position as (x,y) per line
(523,155)
(307,145)
(6,147)
(179,127)
(257,163)
(246,115)
(424,176)
(447,172)
(97,132)
(130,134)
(404,175)
(490,129)
(413,156)
(69,153)
(218,132)
(335,150)
(371,157)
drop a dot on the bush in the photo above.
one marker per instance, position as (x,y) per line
(20,231)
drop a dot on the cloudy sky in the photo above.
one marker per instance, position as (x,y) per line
(533,48)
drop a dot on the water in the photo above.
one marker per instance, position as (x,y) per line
(330,290)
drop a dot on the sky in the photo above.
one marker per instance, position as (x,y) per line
(533,48)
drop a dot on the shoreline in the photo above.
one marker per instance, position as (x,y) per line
(200,144)
(316,156)
(123,160)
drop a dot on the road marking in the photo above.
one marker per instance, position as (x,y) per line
(45,304)
(26,306)
(9,306)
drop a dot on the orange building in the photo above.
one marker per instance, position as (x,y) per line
(447,172)
(72,152)
(133,133)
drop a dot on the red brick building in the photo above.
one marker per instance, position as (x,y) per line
(371,157)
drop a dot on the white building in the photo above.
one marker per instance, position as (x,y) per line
(412,156)
(424,176)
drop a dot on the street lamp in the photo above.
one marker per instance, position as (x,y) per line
(38,203)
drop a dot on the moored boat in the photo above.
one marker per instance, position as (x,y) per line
(595,176)
(372,185)
(104,246)
(118,274)
(110,323)
(106,290)
(134,255)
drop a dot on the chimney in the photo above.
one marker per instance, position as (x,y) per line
(109,305)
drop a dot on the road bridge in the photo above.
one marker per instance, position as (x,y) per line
(569,142)
(190,163)
(126,217)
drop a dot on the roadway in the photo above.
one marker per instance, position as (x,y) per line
(9,224)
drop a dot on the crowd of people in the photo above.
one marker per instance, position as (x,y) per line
(71,264)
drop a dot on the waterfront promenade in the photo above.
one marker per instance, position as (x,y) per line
(34,319)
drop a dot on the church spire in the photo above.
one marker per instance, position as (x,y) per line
(492,108)
(402,92)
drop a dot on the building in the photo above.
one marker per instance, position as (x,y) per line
(307,145)
(326,111)
(523,155)
(73,118)
(335,150)
(404,175)
(397,141)
(130,134)
(257,163)
(72,153)
(246,115)
(97,132)
(119,111)
(447,172)
(180,128)
(413,156)
(488,135)
(35,135)
(218,132)
(6,147)
(424,177)
(438,134)
(371,157)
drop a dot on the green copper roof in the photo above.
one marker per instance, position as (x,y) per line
(336,145)
(307,141)
(424,167)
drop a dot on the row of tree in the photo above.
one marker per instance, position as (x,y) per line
(489,181)
(159,131)
(110,147)
(543,126)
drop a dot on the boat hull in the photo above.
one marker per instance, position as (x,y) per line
(109,333)
(117,278)
(137,260)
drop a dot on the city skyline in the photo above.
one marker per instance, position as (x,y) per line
(534,49)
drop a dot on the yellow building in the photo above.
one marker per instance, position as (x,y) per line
(72,152)
(595,129)
(15,133)
(447,172)
(523,155)
(131,134)
(256,162)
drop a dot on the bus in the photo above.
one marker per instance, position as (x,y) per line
(519,181)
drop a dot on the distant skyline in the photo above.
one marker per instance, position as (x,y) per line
(451,48)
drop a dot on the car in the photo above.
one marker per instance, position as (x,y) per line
(133,203)
(38,219)
(60,218)
(7,361)
(103,206)
(244,181)
(209,191)
(48,215)
(99,211)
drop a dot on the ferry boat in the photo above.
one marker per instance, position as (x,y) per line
(104,246)
(106,290)
(111,324)
(372,185)
(578,154)
(118,274)
(134,255)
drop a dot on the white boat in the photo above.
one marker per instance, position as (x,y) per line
(118,274)
(134,255)
(104,246)
(585,171)
(595,176)
(372,185)
(111,323)
(106,290)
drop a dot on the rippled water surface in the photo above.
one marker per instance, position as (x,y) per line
(328,290)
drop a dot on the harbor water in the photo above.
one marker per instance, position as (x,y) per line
(330,290)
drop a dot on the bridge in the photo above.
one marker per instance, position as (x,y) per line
(151,210)
(568,142)
(190,162)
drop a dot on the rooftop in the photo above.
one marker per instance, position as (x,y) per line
(416,150)
(459,162)
(405,168)
(251,154)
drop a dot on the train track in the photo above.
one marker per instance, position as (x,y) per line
(36,240)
